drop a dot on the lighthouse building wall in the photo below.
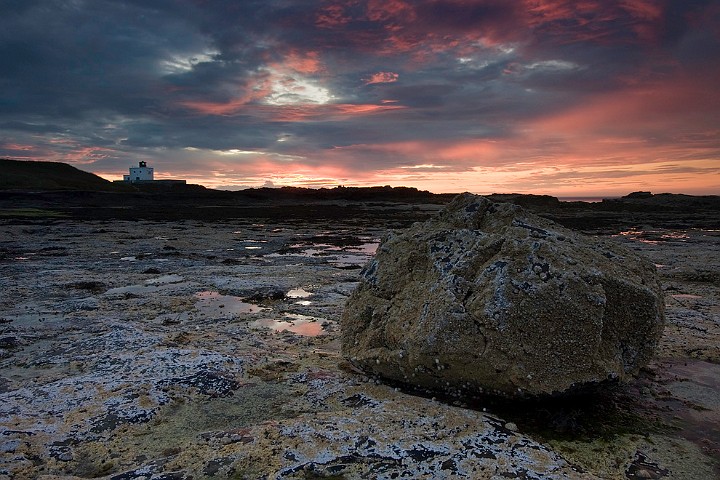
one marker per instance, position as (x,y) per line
(141,174)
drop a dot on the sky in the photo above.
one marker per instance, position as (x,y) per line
(559,97)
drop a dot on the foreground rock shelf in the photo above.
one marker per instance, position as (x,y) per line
(186,349)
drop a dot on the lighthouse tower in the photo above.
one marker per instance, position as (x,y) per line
(141,173)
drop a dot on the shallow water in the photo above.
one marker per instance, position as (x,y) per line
(299,293)
(339,256)
(165,279)
(366,248)
(300,324)
(686,296)
(213,304)
(695,383)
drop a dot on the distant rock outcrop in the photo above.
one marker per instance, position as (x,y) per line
(676,202)
(488,297)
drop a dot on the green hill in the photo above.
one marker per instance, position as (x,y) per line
(23,175)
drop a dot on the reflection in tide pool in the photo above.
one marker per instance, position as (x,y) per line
(694,407)
(653,237)
(298,293)
(366,248)
(213,304)
(300,324)
(339,256)
(349,260)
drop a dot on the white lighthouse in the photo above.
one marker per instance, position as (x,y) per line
(141,173)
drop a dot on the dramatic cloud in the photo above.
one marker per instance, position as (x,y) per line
(548,96)
(382,77)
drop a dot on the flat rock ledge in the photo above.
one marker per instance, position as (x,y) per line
(488,297)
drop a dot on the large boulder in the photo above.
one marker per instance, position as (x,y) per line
(488,297)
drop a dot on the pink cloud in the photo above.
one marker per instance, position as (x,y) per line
(402,27)
(215,108)
(87,155)
(669,106)
(17,147)
(255,90)
(58,149)
(390,10)
(327,112)
(332,16)
(303,62)
(382,77)
(597,21)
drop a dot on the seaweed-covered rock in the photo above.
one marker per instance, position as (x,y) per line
(486,296)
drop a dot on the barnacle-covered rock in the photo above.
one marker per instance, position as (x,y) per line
(486,296)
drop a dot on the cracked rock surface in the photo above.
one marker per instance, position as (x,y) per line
(188,349)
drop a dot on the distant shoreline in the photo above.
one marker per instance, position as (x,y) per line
(585,199)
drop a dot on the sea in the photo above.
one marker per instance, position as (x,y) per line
(584,199)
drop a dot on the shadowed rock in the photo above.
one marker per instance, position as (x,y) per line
(488,297)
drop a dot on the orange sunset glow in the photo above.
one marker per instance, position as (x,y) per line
(587,98)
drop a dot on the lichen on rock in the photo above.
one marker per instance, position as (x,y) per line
(489,297)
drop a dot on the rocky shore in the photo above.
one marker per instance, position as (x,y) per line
(150,349)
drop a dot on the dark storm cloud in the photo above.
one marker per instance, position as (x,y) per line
(357,84)
(71,58)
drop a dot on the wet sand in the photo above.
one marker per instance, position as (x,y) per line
(177,349)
